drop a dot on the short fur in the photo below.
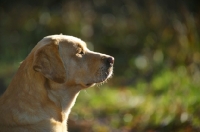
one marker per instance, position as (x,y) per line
(47,83)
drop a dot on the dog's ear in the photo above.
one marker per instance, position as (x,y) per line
(47,61)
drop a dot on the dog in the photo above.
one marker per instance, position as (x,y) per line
(47,83)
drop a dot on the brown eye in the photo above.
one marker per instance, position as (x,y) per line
(81,52)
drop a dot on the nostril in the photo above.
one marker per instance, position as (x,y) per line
(110,60)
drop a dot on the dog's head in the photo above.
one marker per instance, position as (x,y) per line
(66,59)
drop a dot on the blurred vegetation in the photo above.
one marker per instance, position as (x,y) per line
(156,45)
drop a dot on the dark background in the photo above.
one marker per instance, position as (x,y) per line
(146,37)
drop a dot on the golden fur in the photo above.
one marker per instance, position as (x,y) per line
(44,89)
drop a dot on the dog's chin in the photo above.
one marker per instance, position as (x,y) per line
(93,84)
(100,80)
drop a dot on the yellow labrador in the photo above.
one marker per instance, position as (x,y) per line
(47,83)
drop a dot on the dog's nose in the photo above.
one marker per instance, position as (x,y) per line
(110,60)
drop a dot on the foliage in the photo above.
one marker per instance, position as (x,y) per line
(168,103)
(156,48)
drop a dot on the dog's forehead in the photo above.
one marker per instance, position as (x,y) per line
(61,39)
(66,39)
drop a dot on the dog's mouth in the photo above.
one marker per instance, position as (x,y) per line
(90,84)
(103,76)
(87,85)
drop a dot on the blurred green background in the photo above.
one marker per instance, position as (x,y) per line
(156,44)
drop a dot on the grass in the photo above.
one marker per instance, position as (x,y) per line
(169,103)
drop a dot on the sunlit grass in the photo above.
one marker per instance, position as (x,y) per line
(170,101)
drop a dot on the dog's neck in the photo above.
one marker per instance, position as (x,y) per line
(63,97)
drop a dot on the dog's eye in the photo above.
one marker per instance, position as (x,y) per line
(81,52)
